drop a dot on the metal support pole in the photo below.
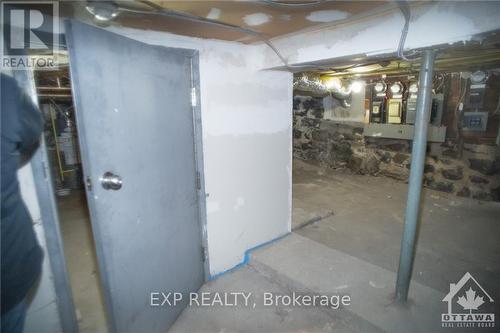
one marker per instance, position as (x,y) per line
(416,174)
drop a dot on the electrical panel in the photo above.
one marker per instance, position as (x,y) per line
(401,106)
(411,110)
(475,98)
(394,111)
(475,121)
(377,109)
(474,117)
(437,109)
(395,104)
(411,103)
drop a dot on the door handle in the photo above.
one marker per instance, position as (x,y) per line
(110,181)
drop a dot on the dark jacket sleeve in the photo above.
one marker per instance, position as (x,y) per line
(30,123)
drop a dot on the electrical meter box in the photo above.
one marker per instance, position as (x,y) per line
(475,121)
(411,103)
(477,88)
(476,96)
(394,111)
(411,110)
(377,111)
(377,107)
(395,103)
(437,109)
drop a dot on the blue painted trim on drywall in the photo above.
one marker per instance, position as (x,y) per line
(246,257)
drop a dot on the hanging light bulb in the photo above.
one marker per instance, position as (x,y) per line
(356,86)
(333,84)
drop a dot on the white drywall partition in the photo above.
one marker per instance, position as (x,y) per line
(432,23)
(247,131)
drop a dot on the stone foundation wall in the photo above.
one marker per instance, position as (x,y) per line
(474,172)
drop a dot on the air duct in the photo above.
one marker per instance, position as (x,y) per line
(311,84)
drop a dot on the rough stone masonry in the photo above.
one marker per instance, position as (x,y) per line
(475,173)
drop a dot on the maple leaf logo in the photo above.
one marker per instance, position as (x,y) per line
(470,301)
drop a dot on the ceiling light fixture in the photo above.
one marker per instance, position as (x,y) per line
(333,84)
(103,11)
(356,86)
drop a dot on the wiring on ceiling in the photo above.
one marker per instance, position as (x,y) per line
(187,16)
(405,9)
(95,7)
(439,82)
(173,13)
(294,3)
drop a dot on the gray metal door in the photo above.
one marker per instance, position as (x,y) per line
(135,122)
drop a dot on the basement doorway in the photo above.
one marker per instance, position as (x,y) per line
(138,126)
(61,138)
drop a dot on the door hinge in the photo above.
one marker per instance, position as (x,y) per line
(45,170)
(88,183)
(204,254)
(193,97)
(198,181)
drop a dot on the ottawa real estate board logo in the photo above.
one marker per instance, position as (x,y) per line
(30,34)
(469,305)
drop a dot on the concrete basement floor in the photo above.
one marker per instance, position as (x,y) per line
(81,262)
(456,235)
(356,251)
(258,318)
(347,234)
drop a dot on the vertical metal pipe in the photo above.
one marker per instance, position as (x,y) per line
(416,174)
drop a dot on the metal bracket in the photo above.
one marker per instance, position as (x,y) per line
(204,254)
(198,181)
(193,97)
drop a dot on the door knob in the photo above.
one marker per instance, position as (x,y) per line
(110,181)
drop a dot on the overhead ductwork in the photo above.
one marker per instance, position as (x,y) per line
(311,84)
